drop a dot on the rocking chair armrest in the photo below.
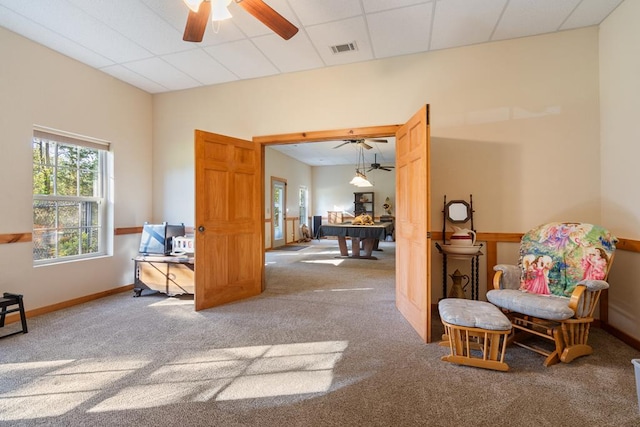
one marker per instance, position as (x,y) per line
(585,296)
(594,285)
(507,276)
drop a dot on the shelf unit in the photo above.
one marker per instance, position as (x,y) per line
(363,203)
(166,274)
(473,258)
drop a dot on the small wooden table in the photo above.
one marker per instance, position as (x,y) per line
(370,235)
(170,275)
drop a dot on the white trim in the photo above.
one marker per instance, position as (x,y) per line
(57,135)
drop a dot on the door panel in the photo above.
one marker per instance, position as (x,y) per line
(413,219)
(229,262)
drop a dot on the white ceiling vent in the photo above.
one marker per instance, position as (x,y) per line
(347,47)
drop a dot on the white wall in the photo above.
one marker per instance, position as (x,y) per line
(620,151)
(39,86)
(296,174)
(515,122)
(328,186)
(332,191)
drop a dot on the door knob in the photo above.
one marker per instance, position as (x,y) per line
(201,229)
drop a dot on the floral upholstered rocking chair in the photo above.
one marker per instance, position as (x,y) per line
(553,291)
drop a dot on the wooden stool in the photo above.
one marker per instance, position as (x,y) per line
(10,300)
(477,333)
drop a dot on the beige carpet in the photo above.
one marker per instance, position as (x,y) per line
(323,346)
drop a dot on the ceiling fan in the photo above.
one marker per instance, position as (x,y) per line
(361,142)
(200,10)
(376,165)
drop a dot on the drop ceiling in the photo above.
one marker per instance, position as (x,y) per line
(140,41)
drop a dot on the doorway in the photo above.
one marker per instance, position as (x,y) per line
(413,279)
(278,212)
(229,174)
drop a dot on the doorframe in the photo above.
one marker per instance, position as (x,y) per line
(317,136)
(327,135)
(283,214)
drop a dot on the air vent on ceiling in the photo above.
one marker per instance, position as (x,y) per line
(347,47)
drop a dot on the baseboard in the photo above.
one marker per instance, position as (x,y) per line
(15,317)
(622,336)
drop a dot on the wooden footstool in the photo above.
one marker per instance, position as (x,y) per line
(477,333)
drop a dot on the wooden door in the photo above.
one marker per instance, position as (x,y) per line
(229,261)
(413,220)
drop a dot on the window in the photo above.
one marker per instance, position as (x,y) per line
(69,204)
(303,202)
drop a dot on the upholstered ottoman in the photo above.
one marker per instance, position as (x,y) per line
(477,333)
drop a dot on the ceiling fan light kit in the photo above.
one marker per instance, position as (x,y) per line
(194,5)
(218,9)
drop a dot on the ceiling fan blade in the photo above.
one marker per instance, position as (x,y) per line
(344,143)
(384,141)
(365,145)
(385,168)
(269,17)
(197,23)
(370,169)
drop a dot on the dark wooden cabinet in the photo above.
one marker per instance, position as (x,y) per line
(363,203)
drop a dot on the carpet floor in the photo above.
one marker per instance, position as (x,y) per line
(324,345)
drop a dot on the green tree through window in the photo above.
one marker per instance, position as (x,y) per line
(68,199)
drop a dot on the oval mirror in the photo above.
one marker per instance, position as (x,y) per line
(457,211)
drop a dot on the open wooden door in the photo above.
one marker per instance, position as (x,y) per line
(229,262)
(413,219)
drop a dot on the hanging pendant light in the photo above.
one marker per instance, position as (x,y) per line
(360,179)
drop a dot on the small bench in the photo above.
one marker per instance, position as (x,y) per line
(12,303)
(477,333)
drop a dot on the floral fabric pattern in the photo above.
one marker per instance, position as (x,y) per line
(556,256)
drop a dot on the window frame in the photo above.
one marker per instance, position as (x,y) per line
(103,226)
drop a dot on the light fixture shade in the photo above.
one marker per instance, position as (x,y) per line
(365,183)
(219,11)
(193,4)
(360,180)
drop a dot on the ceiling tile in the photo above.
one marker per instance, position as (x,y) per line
(295,54)
(400,31)
(590,12)
(319,12)
(336,33)
(380,5)
(133,78)
(118,34)
(67,20)
(161,72)
(140,24)
(464,22)
(200,66)
(526,18)
(39,34)
(243,59)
